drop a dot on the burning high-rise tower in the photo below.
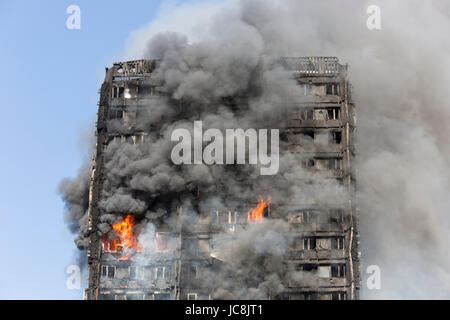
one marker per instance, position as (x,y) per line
(161,231)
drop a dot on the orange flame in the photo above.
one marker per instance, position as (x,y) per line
(127,240)
(256,215)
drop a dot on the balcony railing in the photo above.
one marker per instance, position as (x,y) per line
(311,65)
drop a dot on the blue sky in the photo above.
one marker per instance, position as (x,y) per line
(49,88)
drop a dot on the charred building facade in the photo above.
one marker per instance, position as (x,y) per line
(180,256)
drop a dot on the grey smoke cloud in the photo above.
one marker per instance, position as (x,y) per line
(400,78)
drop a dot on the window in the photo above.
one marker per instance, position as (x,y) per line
(332,89)
(159,272)
(308,163)
(306,89)
(161,296)
(329,89)
(192,296)
(115,114)
(335,164)
(232,217)
(307,114)
(149,273)
(336,216)
(333,113)
(310,267)
(338,270)
(338,296)
(133,272)
(104,271)
(309,243)
(337,243)
(335,137)
(121,92)
(311,296)
(111,271)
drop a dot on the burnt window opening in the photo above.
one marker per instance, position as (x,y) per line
(332,89)
(338,296)
(310,296)
(335,137)
(115,114)
(334,113)
(310,267)
(338,270)
(337,243)
(307,114)
(121,92)
(336,216)
(308,163)
(309,243)
(309,134)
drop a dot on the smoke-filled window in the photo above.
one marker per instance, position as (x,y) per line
(332,89)
(133,272)
(335,137)
(336,216)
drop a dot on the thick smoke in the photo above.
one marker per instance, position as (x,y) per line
(399,74)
